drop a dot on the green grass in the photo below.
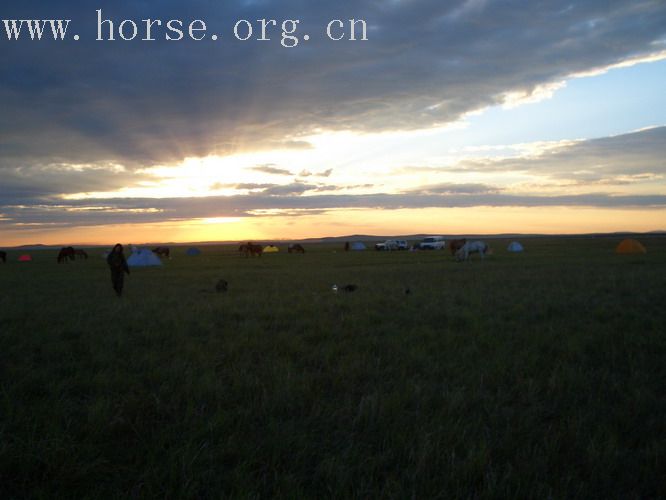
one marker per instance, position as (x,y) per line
(525,376)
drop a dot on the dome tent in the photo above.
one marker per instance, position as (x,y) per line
(192,252)
(515,246)
(143,257)
(357,245)
(271,249)
(630,246)
(25,258)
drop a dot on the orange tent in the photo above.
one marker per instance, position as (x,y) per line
(630,246)
(25,258)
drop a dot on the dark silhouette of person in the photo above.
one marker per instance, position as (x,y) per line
(119,267)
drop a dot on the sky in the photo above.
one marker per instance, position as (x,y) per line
(452,117)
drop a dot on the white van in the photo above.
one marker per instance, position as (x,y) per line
(433,243)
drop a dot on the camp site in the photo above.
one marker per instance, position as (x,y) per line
(428,374)
(343,250)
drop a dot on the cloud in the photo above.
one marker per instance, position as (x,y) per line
(453,188)
(426,63)
(274,201)
(92,116)
(636,156)
(307,173)
(251,186)
(270,169)
(58,179)
(295,188)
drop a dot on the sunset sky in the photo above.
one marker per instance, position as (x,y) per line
(453,117)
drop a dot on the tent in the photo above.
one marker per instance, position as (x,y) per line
(271,249)
(514,246)
(357,245)
(192,252)
(25,258)
(630,246)
(143,257)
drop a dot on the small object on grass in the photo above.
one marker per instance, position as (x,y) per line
(334,288)
(349,288)
(221,286)
(407,291)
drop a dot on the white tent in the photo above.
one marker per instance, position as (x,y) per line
(514,246)
(357,245)
(143,257)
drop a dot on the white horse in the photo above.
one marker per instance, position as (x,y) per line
(471,247)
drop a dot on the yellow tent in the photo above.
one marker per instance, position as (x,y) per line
(271,249)
(630,246)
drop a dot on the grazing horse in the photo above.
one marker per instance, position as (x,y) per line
(3,256)
(295,248)
(66,253)
(79,252)
(471,247)
(456,245)
(249,249)
(162,252)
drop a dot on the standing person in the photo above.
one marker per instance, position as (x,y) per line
(118,265)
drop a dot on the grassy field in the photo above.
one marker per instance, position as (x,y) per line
(538,375)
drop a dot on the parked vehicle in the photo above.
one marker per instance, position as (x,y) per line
(391,245)
(433,243)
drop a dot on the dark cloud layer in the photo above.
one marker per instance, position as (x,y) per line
(426,62)
(142,210)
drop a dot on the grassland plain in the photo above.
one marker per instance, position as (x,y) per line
(536,375)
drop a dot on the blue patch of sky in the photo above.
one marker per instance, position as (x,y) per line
(616,102)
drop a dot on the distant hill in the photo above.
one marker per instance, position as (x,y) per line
(359,237)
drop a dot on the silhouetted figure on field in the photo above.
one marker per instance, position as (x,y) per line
(119,267)
(3,256)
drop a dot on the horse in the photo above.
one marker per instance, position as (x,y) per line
(79,252)
(456,245)
(66,253)
(471,247)
(249,249)
(162,252)
(295,248)
(3,256)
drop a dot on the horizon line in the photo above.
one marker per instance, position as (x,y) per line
(351,237)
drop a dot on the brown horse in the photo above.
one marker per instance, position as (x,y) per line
(162,252)
(250,249)
(80,253)
(456,245)
(66,253)
(295,248)
(3,256)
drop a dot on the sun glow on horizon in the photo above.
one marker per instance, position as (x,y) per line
(339,222)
